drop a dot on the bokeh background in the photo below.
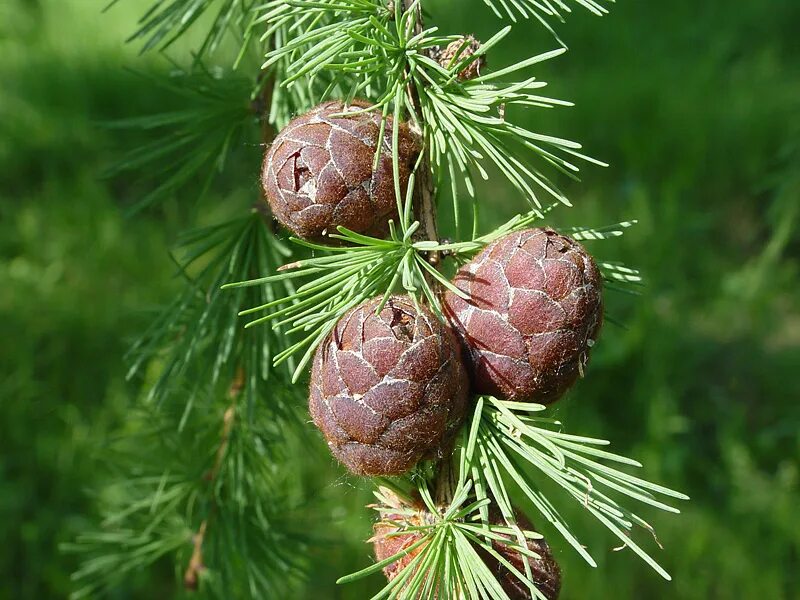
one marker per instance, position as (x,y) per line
(696,106)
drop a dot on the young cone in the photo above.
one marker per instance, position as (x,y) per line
(388,389)
(459,50)
(318,173)
(535,310)
(545,572)
(390,538)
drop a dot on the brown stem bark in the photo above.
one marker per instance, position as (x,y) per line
(191,577)
(425,209)
(260,106)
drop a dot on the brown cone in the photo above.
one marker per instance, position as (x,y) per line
(459,50)
(389,389)
(386,544)
(545,572)
(318,175)
(534,312)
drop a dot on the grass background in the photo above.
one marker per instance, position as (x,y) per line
(697,108)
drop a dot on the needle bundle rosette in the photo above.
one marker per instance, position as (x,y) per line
(534,311)
(388,389)
(545,572)
(318,173)
(404,530)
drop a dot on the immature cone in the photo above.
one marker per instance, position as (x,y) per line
(389,389)
(386,544)
(459,50)
(535,310)
(545,572)
(318,173)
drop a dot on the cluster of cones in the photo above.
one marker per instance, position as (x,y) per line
(390,387)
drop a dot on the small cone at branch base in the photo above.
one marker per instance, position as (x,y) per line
(388,540)
(388,389)
(318,173)
(459,50)
(545,572)
(534,311)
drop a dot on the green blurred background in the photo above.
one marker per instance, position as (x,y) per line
(697,108)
